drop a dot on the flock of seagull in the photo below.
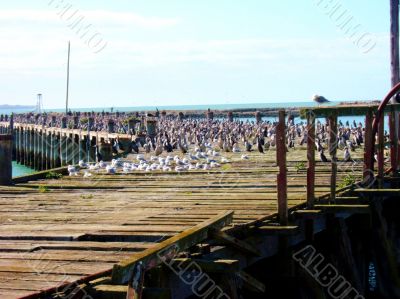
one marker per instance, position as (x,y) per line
(198,161)
(200,145)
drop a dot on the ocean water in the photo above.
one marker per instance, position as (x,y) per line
(179,107)
(18,170)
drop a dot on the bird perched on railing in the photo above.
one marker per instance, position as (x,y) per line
(346,155)
(323,157)
(320,99)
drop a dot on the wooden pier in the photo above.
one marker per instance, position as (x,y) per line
(111,235)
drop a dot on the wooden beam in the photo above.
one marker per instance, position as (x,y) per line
(380,192)
(311,159)
(394,41)
(214,266)
(278,230)
(333,143)
(307,214)
(332,208)
(233,242)
(251,282)
(393,141)
(119,292)
(282,175)
(122,272)
(368,145)
(381,149)
(345,110)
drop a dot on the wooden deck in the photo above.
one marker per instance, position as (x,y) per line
(58,231)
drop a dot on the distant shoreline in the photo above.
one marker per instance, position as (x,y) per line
(219,110)
(19,107)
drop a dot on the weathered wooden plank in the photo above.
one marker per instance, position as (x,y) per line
(122,272)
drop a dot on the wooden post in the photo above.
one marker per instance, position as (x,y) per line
(394,41)
(82,147)
(63,148)
(282,175)
(111,126)
(24,134)
(76,148)
(395,78)
(42,149)
(381,149)
(398,139)
(49,148)
(311,159)
(17,140)
(258,117)
(368,145)
(30,148)
(333,143)
(6,159)
(393,141)
(35,149)
(56,149)
(230,116)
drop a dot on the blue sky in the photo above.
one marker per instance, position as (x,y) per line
(175,52)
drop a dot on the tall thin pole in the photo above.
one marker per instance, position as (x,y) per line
(66,101)
(395,78)
(394,40)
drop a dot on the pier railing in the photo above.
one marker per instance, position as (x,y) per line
(43,148)
(374,139)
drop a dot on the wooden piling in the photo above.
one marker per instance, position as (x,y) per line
(230,116)
(63,149)
(258,117)
(56,149)
(368,146)
(393,141)
(381,149)
(17,139)
(111,126)
(311,159)
(6,142)
(333,143)
(282,175)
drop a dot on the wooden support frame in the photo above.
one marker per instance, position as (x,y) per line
(381,149)
(122,272)
(234,242)
(311,159)
(354,209)
(333,144)
(210,266)
(398,139)
(393,141)
(282,175)
(368,154)
(251,282)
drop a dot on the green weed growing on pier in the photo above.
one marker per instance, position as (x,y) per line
(348,180)
(86,196)
(300,166)
(53,175)
(43,189)
(226,167)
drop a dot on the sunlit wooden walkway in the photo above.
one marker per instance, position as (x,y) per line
(58,231)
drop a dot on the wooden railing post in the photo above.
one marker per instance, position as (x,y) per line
(311,159)
(393,141)
(368,146)
(333,143)
(398,140)
(6,144)
(381,149)
(282,175)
